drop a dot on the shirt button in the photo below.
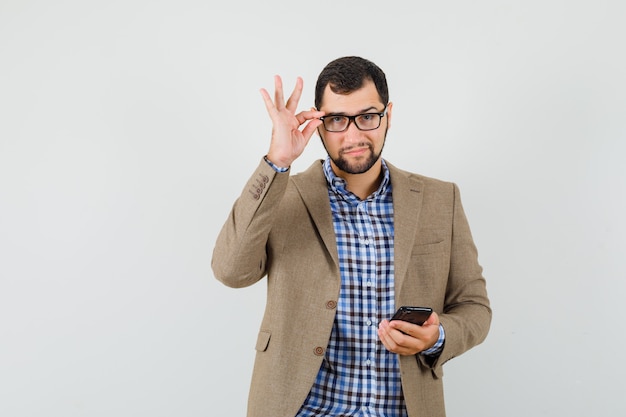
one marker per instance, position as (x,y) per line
(369,322)
(331,305)
(319,351)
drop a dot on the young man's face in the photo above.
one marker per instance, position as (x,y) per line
(354,151)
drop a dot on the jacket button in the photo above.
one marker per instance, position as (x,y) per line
(331,305)
(319,351)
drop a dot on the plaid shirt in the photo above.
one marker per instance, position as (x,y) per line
(359,376)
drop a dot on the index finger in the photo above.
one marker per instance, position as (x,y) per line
(308,115)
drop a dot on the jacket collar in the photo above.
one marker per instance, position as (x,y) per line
(407,201)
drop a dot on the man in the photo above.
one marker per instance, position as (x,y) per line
(343,245)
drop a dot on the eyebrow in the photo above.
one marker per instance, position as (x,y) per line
(371,109)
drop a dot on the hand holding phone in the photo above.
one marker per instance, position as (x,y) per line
(415,315)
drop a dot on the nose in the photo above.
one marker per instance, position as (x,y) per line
(352,133)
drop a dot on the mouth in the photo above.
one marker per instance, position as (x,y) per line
(355,150)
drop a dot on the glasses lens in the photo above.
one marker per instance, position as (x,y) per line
(368,121)
(336,123)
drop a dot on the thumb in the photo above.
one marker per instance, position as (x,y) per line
(433,320)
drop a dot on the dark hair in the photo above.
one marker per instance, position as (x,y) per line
(347,74)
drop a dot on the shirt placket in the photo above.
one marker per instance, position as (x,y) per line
(368,284)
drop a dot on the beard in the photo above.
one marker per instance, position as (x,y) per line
(358,167)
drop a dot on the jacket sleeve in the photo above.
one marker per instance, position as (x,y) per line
(466,316)
(239,256)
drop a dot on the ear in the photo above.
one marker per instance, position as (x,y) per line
(389,108)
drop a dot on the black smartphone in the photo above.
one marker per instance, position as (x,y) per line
(415,315)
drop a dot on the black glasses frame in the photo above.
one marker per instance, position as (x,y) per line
(352,119)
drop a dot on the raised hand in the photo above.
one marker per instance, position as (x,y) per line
(288,141)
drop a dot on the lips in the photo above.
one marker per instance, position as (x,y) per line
(355,150)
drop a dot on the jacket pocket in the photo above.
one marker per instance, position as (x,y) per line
(263,341)
(429,248)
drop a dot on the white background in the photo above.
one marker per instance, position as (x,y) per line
(128,128)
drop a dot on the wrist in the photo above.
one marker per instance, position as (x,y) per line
(274,166)
(277,162)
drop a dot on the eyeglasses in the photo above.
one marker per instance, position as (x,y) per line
(364,121)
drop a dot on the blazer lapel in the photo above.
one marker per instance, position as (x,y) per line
(407,204)
(311,184)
